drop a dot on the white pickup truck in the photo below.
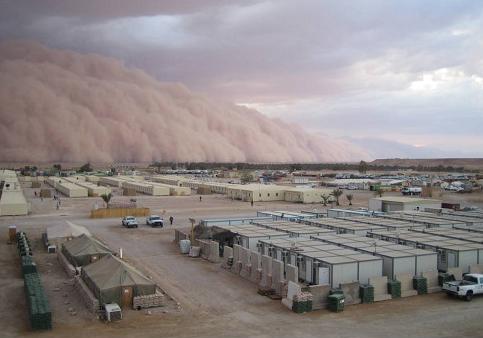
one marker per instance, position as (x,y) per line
(472,284)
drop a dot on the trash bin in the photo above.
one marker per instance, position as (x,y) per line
(336,302)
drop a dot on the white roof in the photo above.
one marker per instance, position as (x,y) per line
(68,229)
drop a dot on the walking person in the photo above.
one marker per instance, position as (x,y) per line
(200,198)
(171,219)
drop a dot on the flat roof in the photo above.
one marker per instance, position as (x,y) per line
(405,199)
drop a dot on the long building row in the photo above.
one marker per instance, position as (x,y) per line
(12,199)
(249,192)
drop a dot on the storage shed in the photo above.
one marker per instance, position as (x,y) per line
(84,250)
(112,280)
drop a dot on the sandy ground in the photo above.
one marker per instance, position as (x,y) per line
(214,302)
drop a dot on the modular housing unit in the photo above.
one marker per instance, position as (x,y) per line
(146,188)
(248,235)
(389,224)
(473,228)
(321,263)
(256,192)
(71,189)
(429,222)
(332,213)
(174,190)
(451,218)
(233,220)
(286,215)
(292,228)
(452,253)
(455,234)
(12,199)
(93,190)
(344,227)
(305,195)
(397,259)
(114,181)
(400,203)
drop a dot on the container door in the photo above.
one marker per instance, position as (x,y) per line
(308,272)
(127,295)
(323,276)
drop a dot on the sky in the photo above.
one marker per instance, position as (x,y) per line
(401,78)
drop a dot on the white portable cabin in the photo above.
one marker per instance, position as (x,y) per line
(248,235)
(292,228)
(320,263)
(429,222)
(344,227)
(451,252)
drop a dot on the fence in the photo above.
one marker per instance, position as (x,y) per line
(119,212)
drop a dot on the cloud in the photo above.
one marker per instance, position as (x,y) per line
(64,106)
(343,68)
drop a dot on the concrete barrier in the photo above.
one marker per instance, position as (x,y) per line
(319,294)
(351,293)
(292,273)
(433,282)
(120,212)
(476,268)
(180,235)
(255,268)
(227,255)
(407,289)
(380,288)
(456,272)
(277,276)
(87,297)
(266,279)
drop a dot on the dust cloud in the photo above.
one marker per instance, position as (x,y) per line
(59,105)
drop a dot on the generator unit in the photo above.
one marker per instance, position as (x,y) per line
(113,312)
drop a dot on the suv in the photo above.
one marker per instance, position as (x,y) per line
(154,221)
(130,222)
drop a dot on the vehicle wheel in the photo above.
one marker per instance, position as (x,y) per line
(469,296)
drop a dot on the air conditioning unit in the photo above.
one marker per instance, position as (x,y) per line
(113,312)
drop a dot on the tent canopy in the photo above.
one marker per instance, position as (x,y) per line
(82,249)
(109,275)
(65,231)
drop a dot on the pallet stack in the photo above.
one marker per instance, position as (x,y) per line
(394,288)
(39,310)
(420,284)
(366,293)
(302,302)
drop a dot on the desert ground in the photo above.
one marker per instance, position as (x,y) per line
(209,301)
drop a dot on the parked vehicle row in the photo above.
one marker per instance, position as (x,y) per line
(153,220)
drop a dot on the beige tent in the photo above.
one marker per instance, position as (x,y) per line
(112,280)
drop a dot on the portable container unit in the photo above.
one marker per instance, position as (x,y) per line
(451,252)
(473,228)
(321,263)
(248,235)
(113,181)
(146,188)
(344,227)
(455,234)
(315,213)
(174,190)
(71,189)
(389,224)
(454,219)
(93,190)
(397,259)
(400,203)
(286,215)
(429,222)
(234,220)
(292,228)
(349,213)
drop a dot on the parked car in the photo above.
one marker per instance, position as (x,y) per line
(472,284)
(130,222)
(154,221)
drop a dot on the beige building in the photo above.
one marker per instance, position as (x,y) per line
(93,190)
(146,188)
(401,203)
(12,199)
(305,195)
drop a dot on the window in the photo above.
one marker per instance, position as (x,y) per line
(276,194)
(259,195)
(268,194)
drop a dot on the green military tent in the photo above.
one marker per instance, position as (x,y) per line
(84,250)
(112,280)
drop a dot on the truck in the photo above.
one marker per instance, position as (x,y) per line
(130,222)
(472,284)
(411,191)
(154,221)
